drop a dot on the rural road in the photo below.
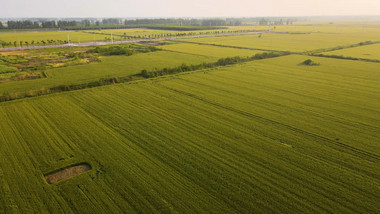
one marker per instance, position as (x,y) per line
(122,42)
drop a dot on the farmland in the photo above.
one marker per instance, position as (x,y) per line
(114,66)
(365,52)
(291,42)
(209,51)
(238,124)
(219,140)
(36,37)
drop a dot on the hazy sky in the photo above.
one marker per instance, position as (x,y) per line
(185,8)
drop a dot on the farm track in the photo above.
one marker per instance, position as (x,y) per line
(337,145)
(125,42)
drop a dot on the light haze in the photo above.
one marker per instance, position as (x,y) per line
(188,8)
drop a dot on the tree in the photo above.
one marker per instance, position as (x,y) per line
(49,24)
(86,23)
(145,73)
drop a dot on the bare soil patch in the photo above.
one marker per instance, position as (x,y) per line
(67,173)
(15,52)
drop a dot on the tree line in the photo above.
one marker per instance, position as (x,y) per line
(27,24)
(30,24)
(271,21)
(186,22)
(120,23)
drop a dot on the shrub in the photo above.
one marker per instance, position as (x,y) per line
(111,51)
(309,62)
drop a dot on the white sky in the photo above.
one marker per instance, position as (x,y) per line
(185,8)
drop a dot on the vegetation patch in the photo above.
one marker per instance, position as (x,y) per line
(309,62)
(7,69)
(67,173)
(111,51)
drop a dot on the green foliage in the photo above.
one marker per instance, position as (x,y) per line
(309,62)
(110,51)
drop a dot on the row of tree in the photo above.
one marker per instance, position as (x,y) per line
(31,43)
(115,22)
(268,21)
(186,22)
(27,24)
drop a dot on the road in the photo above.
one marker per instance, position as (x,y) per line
(123,42)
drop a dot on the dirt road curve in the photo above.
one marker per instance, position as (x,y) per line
(122,42)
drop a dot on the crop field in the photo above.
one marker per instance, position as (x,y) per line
(135,32)
(114,66)
(209,51)
(264,136)
(204,125)
(75,36)
(290,42)
(98,35)
(365,52)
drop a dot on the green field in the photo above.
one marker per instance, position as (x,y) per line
(114,66)
(209,51)
(290,42)
(75,36)
(96,35)
(365,52)
(199,126)
(265,136)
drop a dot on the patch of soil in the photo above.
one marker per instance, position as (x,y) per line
(67,173)
(25,76)
(17,52)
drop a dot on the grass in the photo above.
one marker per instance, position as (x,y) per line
(265,136)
